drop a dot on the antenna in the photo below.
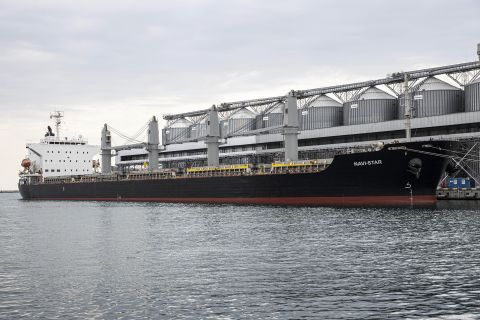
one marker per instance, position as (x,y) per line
(57,115)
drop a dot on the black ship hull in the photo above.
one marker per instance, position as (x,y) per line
(403,174)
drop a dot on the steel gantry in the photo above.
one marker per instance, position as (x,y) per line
(398,83)
(462,74)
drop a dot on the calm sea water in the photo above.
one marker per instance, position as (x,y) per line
(78,260)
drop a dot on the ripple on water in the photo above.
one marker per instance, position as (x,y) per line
(125,261)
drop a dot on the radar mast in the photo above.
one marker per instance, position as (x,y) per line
(57,115)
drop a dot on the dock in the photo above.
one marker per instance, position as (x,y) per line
(458,194)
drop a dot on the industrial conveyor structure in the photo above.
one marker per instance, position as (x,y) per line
(400,84)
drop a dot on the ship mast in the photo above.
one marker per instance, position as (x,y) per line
(408,109)
(57,115)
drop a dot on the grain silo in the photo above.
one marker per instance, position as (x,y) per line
(323,112)
(241,121)
(198,130)
(273,118)
(433,97)
(373,105)
(177,132)
(472,96)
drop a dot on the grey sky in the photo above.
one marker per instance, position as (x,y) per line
(122,61)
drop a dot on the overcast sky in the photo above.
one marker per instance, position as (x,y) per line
(120,62)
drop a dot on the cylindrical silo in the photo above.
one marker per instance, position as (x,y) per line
(373,105)
(273,118)
(323,112)
(177,132)
(433,97)
(241,121)
(472,96)
(198,130)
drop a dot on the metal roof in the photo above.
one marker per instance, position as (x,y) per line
(324,101)
(433,83)
(242,114)
(181,123)
(278,109)
(374,93)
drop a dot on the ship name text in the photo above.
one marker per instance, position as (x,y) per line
(367,163)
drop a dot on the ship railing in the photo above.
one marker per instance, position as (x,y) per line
(227,170)
(79,179)
(151,175)
(110,177)
(95,178)
(306,166)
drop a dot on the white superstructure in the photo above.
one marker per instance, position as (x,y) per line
(60,156)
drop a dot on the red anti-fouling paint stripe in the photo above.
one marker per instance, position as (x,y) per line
(298,201)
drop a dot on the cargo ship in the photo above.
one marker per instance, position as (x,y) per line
(395,174)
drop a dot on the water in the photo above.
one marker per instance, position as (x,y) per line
(78,260)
